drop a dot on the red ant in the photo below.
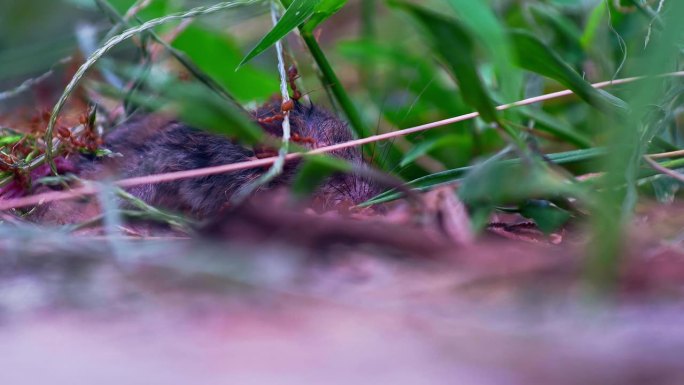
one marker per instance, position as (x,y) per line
(292,75)
(288,105)
(89,139)
(261,151)
(270,119)
(303,140)
(8,163)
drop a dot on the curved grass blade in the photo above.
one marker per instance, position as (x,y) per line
(331,82)
(324,10)
(195,105)
(559,129)
(483,25)
(593,25)
(426,146)
(179,55)
(295,15)
(457,174)
(535,56)
(453,43)
(111,43)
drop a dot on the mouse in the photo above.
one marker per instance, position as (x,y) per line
(151,144)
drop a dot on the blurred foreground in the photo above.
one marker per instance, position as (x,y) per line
(89,310)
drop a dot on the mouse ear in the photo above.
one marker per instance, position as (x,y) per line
(308,109)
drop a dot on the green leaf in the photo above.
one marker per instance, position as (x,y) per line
(665,189)
(324,10)
(201,108)
(556,127)
(503,183)
(10,139)
(426,146)
(295,15)
(594,23)
(535,56)
(547,216)
(196,105)
(453,43)
(407,70)
(212,51)
(457,174)
(483,25)
(156,8)
(314,171)
(564,28)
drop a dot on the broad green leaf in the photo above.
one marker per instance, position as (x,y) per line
(200,107)
(409,70)
(324,10)
(314,171)
(483,25)
(295,15)
(214,53)
(547,216)
(10,139)
(564,27)
(156,8)
(534,56)
(556,127)
(422,148)
(196,105)
(454,45)
(457,174)
(566,36)
(499,183)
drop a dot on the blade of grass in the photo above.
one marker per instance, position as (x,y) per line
(331,81)
(277,166)
(297,12)
(535,56)
(179,55)
(114,41)
(483,25)
(455,46)
(455,175)
(628,139)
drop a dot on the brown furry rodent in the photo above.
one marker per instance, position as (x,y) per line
(152,145)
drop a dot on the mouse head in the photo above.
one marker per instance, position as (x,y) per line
(315,127)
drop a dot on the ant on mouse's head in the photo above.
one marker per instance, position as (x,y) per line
(310,126)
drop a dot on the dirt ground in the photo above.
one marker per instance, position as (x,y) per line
(82,309)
